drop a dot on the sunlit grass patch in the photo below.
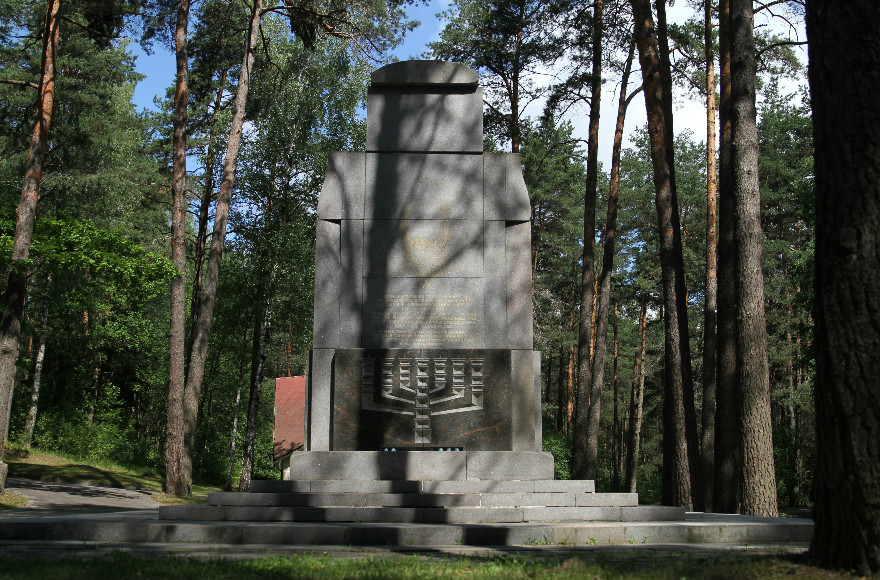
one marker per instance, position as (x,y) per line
(43,466)
(418,567)
(9,500)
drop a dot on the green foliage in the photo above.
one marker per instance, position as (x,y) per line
(304,103)
(560,446)
(66,430)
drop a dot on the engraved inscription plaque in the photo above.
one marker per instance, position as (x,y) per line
(424,313)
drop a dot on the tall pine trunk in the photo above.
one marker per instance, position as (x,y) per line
(635,403)
(758,493)
(202,326)
(205,204)
(31,421)
(25,216)
(844,84)
(233,438)
(604,293)
(616,429)
(247,461)
(726,405)
(584,454)
(707,441)
(677,488)
(178,480)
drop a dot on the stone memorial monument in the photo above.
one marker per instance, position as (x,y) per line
(423,386)
(423,333)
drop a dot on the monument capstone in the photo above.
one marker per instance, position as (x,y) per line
(423,331)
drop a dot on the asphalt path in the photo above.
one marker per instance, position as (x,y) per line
(66,499)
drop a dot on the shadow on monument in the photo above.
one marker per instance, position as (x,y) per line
(397,167)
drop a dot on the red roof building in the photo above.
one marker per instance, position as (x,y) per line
(290,420)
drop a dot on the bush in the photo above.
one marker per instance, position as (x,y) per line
(560,446)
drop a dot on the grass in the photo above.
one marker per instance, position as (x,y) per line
(43,466)
(414,567)
(9,500)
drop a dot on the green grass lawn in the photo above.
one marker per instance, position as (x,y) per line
(413,567)
(43,466)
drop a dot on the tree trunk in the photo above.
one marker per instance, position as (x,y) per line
(616,432)
(561,400)
(635,403)
(25,216)
(247,462)
(205,206)
(584,452)
(690,412)
(726,405)
(570,400)
(202,326)
(677,448)
(758,492)
(707,443)
(178,480)
(233,440)
(604,293)
(96,382)
(844,83)
(31,420)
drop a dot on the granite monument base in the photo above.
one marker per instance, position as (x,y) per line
(411,465)
(424,399)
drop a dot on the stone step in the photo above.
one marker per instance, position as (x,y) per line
(422,465)
(422,486)
(357,499)
(481,514)
(698,529)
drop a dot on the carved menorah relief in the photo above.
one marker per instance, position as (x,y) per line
(422,388)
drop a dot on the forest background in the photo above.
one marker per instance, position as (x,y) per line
(92,378)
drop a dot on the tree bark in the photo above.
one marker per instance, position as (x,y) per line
(25,216)
(247,462)
(570,400)
(202,326)
(616,431)
(726,405)
(597,376)
(584,454)
(707,442)
(758,492)
(31,420)
(205,206)
(233,439)
(561,399)
(96,382)
(844,82)
(690,412)
(678,447)
(635,403)
(178,479)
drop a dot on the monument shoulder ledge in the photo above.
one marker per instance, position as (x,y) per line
(424,72)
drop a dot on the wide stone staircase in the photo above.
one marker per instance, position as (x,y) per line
(425,501)
(420,498)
